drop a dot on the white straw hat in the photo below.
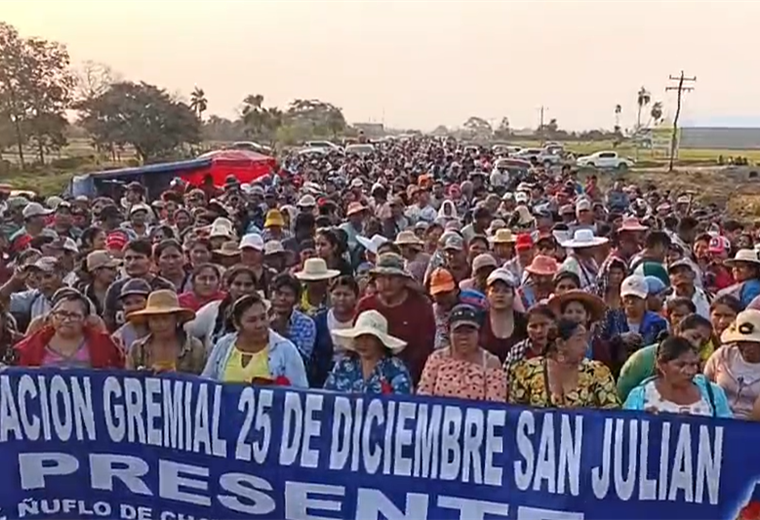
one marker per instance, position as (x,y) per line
(584,238)
(374,324)
(315,269)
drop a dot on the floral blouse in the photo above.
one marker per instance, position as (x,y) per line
(390,376)
(447,376)
(529,386)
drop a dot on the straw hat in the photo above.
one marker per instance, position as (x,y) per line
(594,305)
(583,238)
(315,269)
(221,227)
(746,327)
(408,238)
(543,265)
(744,255)
(160,303)
(229,248)
(503,236)
(355,207)
(374,324)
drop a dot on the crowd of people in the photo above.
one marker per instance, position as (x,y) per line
(423,267)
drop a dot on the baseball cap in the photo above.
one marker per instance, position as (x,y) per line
(35,209)
(99,259)
(64,244)
(680,263)
(464,315)
(634,285)
(46,264)
(307,201)
(501,275)
(454,241)
(273,247)
(252,240)
(483,260)
(654,285)
(583,205)
(135,286)
(441,280)
(521,197)
(524,241)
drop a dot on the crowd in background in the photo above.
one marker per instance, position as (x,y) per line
(423,267)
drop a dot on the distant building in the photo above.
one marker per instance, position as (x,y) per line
(707,138)
(371,129)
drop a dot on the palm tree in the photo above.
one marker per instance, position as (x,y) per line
(198,102)
(656,111)
(643,99)
(254,115)
(618,111)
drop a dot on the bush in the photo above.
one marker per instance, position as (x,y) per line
(69,163)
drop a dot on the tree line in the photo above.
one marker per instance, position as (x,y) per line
(40,90)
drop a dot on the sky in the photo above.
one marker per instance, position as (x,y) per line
(421,63)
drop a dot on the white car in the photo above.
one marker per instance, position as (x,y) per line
(605,160)
(329,146)
(360,149)
(321,152)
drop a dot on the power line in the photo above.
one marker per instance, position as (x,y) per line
(681,89)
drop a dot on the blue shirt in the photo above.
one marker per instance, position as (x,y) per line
(390,372)
(303,333)
(616,323)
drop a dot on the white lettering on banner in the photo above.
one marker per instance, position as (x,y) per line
(256,416)
(552,469)
(421,440)
(371,504)
(299,500)
(65,408)
(58,506)
(299,429)
(473,509)
(181,415)
(686,476)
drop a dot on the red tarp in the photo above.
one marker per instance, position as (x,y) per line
(245,165)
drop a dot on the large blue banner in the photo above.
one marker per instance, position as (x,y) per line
(80,444)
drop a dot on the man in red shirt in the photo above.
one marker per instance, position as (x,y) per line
(408,310)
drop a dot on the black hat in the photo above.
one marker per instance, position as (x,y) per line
(464,314)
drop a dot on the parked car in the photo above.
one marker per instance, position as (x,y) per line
(605,160)
(332,147)
(528,154)
(360,149)
(252,146)
(320,152)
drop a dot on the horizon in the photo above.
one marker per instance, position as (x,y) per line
(422,64)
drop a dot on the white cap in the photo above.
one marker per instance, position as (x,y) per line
(139,207)
(508,196)
(252,240)
(634,285)
(35,209)
(70,245)
(357,183)
(502,275)
(307,201)
(521,197)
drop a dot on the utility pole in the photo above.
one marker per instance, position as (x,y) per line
(681,89)
(541,110)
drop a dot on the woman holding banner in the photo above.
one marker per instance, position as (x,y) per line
(255,353)
(464,369)
(678,386)
(564,377)
(370,364)
(167,347)
(735,366)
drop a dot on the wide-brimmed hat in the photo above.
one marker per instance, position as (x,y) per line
(390,264)
(503,236)
(307,201)
(273,247)
(315,269)
(221,227)
(274,218)
(372,323)
(594,305)
(408,238)
(543,265)
(632,224)
(584,238)
(744,255)
(372,244)
(162,302)
(229,248)
(355,207)
(746,327)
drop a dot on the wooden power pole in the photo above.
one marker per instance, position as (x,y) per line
(681,89)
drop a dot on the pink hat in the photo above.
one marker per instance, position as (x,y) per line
(718,245)
(632,224)
(543,265)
